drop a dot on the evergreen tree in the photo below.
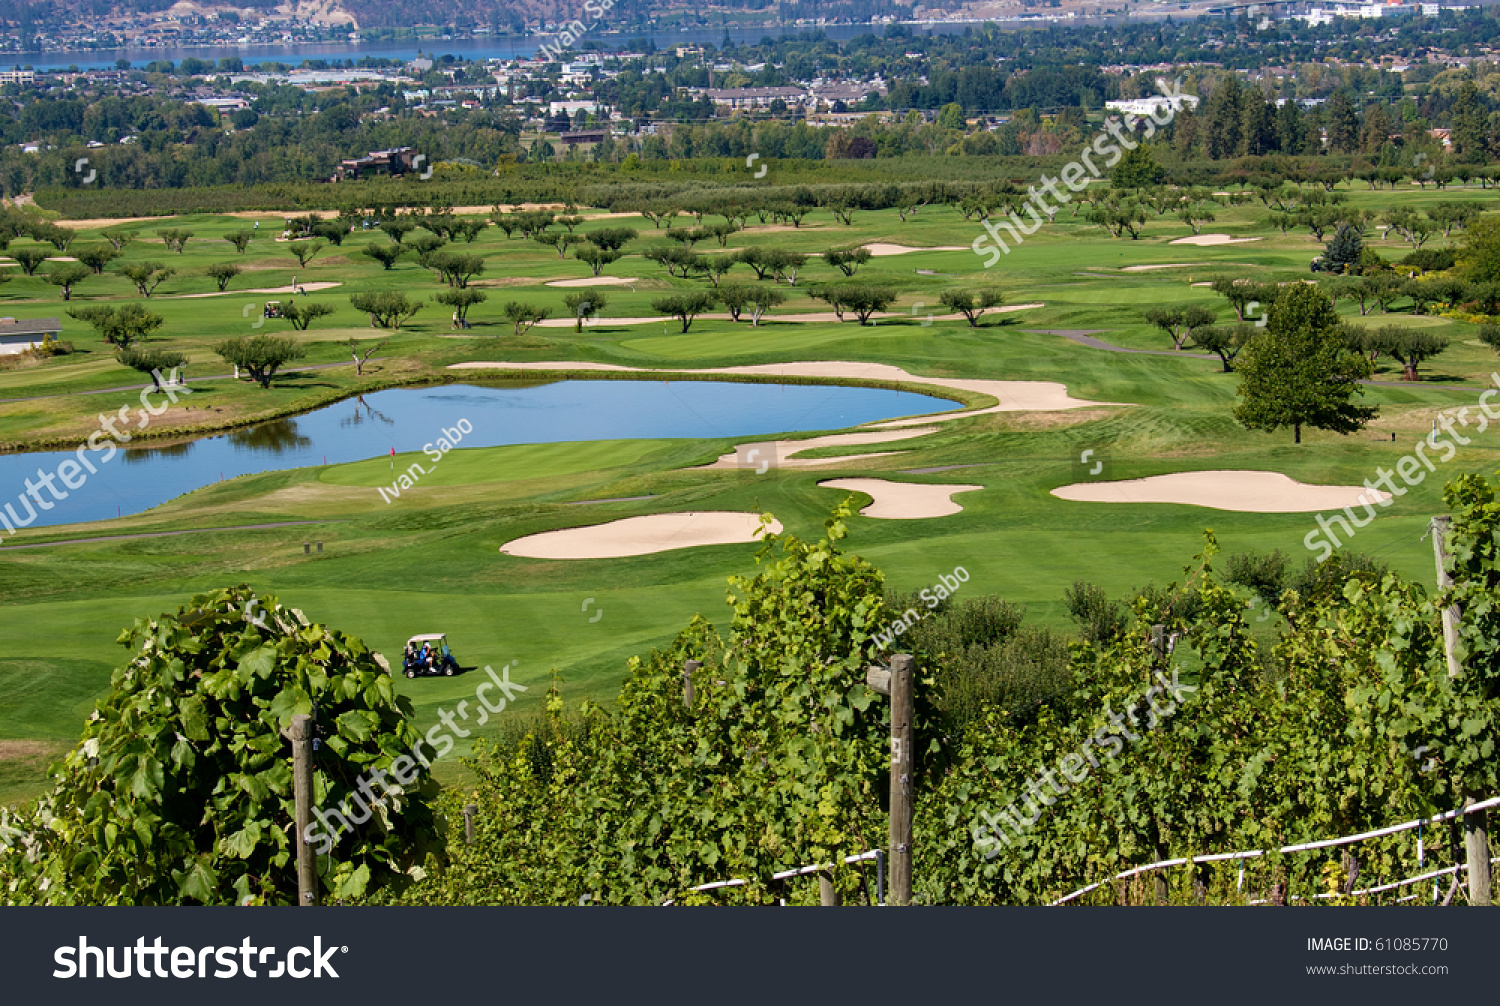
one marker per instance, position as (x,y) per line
(1291,131)
(1346,249)
(1470,124)
(1258,125)
(1376,131)
(1343,124)
(1224,115)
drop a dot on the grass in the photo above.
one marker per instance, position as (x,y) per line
(431,561)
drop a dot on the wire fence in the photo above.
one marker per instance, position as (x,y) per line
(878,855)
(1327,843)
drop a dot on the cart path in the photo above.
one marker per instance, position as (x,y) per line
(166,534)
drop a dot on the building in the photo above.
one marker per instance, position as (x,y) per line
(1154,105)
(583,136)
(571,108)
(755,97)
(19,336)
(17,76)
(396,161)
(223,104)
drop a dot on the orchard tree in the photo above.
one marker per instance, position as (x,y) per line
(386,255)
(119,326)
(146,276)
(585,304)
(398,228)
(861,299)
(386,308)
(29,259)
(303,315)
(460,299)
(1300,371)
(1180,322)
(970,303)
(66,275)
(240,239)
(222,273)
(1410,347)
(524,316)
(303,251)
(96,257)
(174,238)
(152,362)
(684,307)
(260,356)
(611,238)
(596,258)
(762,299)
(847,260)
(1226,341)
(118,237)
(362,352)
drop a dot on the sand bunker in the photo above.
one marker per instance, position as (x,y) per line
(596,281)
(903,500)
(782,453)
(303,287)
(1149,268)
(880,249)
(1250,492)
(1209,240)
(640,535)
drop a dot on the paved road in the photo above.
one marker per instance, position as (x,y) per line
(165,534)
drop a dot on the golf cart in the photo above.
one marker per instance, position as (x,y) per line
(428,654)
(273,309)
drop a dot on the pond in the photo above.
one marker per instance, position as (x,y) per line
(406,419)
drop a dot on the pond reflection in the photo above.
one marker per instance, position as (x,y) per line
(279,436)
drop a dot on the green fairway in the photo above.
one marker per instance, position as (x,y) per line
(430,560)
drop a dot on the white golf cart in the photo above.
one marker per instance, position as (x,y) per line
(427,655)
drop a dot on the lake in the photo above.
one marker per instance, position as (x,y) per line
(405,419)
(490,47)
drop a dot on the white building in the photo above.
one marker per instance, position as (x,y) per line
(1156,104)
(19,336)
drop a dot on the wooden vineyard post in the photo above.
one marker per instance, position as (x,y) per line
(1476,825)
(302,793)
(902,772)
(1445,579)
(828,895)
(469,811)
(689,668)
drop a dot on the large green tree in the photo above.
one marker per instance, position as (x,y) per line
(1301,372)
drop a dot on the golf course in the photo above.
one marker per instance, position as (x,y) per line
(1065,382)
